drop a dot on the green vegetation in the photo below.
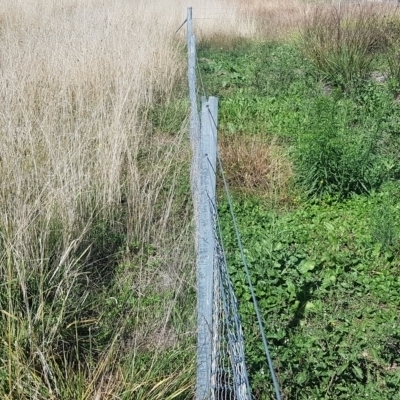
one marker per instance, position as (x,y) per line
(334,157)
(341,42)
(324,256)
(328,286)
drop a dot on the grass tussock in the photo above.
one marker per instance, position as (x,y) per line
(343,41)
(333,159)
(257,166)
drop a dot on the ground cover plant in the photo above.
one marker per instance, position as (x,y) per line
(327,285)
(324,258)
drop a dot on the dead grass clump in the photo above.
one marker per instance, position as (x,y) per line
(257,166)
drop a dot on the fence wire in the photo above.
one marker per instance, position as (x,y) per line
(221,373)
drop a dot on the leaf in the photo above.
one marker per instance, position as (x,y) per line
(329,226)
(291,288)
(301,377)
(310,306)
(358,372)
(306,266)
(342,368)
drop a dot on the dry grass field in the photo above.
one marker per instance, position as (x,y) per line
(92,216)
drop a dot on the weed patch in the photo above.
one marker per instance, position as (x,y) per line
(328,295)
(325,269)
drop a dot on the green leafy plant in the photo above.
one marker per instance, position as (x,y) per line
(384,221)
(332,158)
(328,300)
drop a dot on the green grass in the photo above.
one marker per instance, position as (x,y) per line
(94,316)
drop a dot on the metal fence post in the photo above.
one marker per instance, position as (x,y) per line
(206,247)
(201,191)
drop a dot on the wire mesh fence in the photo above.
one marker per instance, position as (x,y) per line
(229,373)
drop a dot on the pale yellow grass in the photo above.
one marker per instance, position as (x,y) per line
(76,78)
(275,19)
(249,19)
(76,81)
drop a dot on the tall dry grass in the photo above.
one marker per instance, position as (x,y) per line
(226,21)
(77,80)
(276,19)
